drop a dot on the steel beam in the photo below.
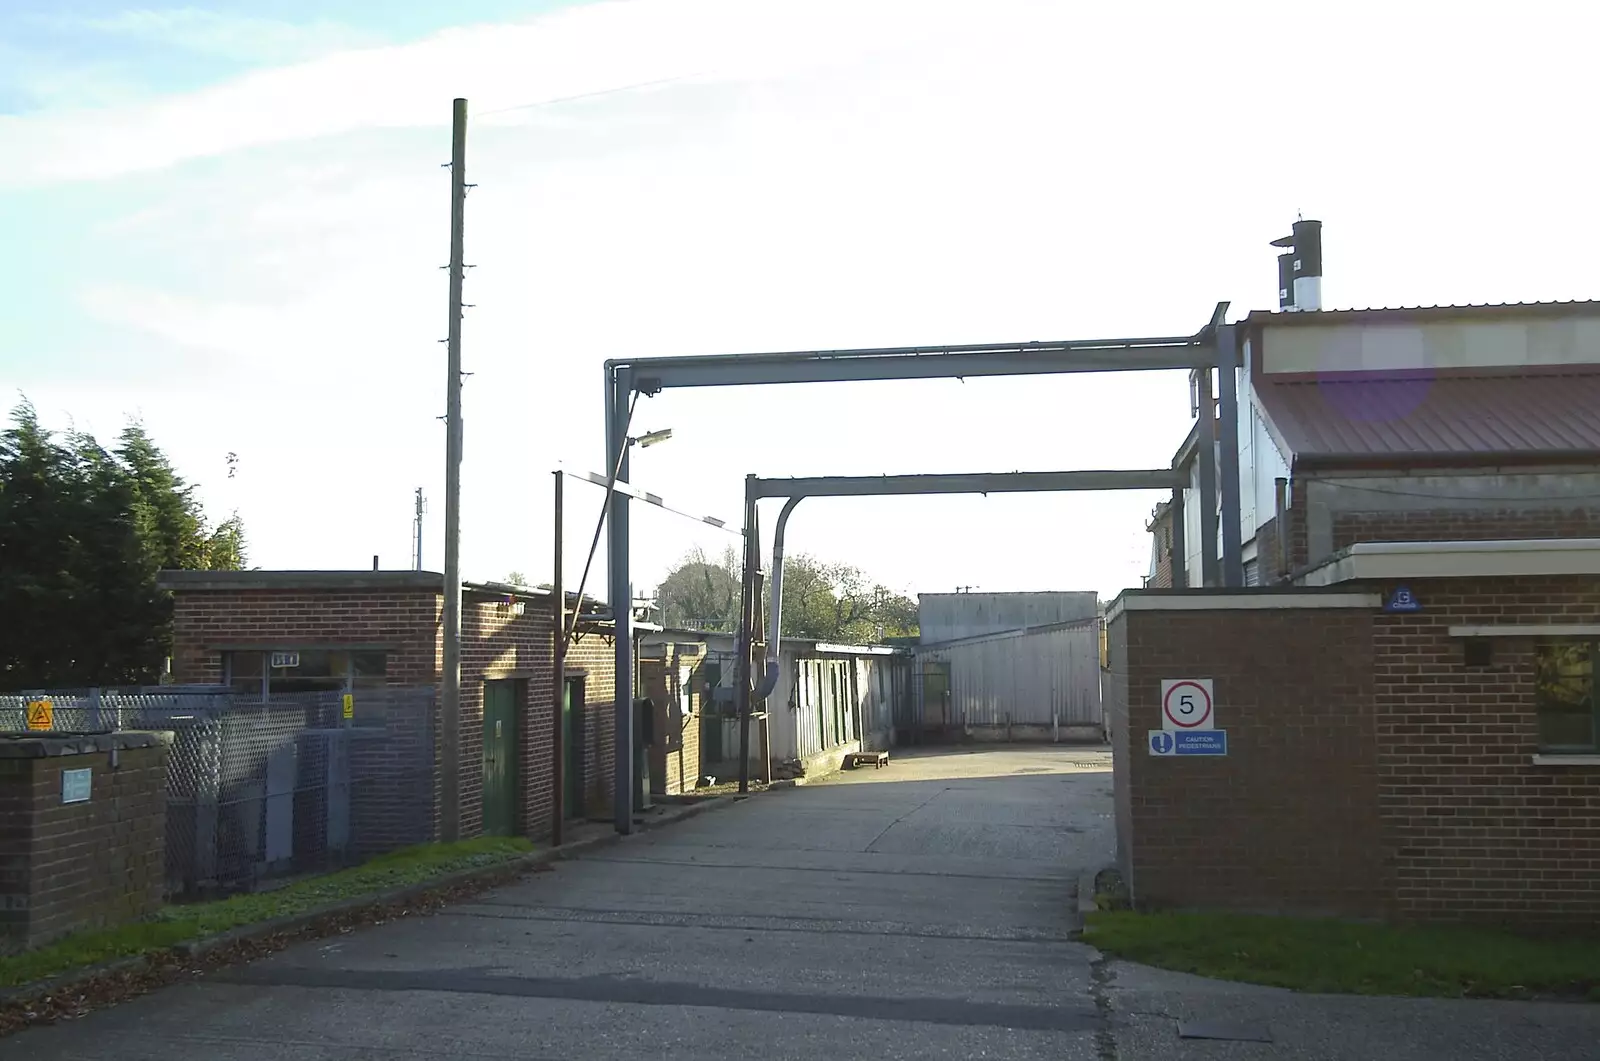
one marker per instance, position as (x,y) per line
(969,483)
(1228,453)
(922,362)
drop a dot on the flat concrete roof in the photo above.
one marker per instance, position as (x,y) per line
(202,581)
(322,580)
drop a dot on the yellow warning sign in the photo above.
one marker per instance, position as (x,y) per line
(41,714)
(349,705)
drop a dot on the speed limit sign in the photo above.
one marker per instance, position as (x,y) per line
(1186,703)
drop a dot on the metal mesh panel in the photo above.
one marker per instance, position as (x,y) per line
(257,789)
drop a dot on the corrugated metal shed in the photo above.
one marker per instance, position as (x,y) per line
(1411,415)
(952,616)
(1032,677)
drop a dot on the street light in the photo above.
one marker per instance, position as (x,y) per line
(650,438)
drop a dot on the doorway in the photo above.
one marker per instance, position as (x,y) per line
(935,696)
(500,746)
(573,743)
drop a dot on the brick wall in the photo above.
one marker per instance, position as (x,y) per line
(1459,524)
(594,659)
(1474,828)
(65,867)
(524,647)
(1160,529)
(1296,516)
(1370,770)
(675,755)
(1268,566)
(1288,821)
(407,619)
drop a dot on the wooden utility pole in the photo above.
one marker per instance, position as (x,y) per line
(450,737)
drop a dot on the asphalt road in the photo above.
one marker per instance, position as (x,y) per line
(918,911)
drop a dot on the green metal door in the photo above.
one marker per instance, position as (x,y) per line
(499,758)
(572,743)
(710,721)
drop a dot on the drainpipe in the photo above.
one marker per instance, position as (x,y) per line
(769,680)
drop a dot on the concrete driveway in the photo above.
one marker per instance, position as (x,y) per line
(918,911)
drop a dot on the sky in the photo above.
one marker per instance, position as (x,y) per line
(228,220)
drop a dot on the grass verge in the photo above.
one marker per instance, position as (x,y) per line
(1362,959)
(182,923)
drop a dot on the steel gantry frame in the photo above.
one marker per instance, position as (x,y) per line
(1214,346)
(751,690)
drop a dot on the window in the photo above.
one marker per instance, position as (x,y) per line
(242,671)
(1569,711)
(309,670)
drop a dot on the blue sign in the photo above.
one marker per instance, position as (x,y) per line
(1201,742)
(1403,600)
(1189,742)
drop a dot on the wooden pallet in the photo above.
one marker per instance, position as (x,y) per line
(873,759)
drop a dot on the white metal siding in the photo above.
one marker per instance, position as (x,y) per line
(953,616)
(1029,678)
(834,702)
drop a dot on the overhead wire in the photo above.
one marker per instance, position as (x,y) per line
(588,95)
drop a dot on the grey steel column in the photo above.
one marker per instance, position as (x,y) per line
(1228,395)
(619,387)
(749,612)
(1206,443)
(1180,551)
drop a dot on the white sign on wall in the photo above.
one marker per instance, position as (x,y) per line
(75,785)
(1187,704)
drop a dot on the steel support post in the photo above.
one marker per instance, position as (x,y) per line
(1228,468)
(619,389)
(1206,443)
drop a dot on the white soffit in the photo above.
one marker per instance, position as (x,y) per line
(1382,561)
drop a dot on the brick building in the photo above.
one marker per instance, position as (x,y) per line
(1432,754)
(310,631)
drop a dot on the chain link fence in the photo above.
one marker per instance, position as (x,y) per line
(261,789)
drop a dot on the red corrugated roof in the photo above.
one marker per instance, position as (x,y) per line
(1371,416)
(1404,313)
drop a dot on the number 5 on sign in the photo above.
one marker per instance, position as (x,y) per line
(1187,703)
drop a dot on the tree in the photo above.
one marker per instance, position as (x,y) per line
(700,594)
(83,534)
(821,601)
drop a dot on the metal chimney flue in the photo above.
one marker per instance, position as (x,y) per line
(1300,268)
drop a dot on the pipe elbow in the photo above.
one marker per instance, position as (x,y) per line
(769,681)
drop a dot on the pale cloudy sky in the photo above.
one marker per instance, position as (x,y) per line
(228,219)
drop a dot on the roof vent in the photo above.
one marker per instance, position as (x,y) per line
(1300,268)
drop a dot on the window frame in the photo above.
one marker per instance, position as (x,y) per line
(1593,747)
(351,681)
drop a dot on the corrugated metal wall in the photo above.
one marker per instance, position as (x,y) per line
(954,616)
(837,701)
(1027,678)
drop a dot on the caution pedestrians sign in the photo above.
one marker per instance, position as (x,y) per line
(41,714)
